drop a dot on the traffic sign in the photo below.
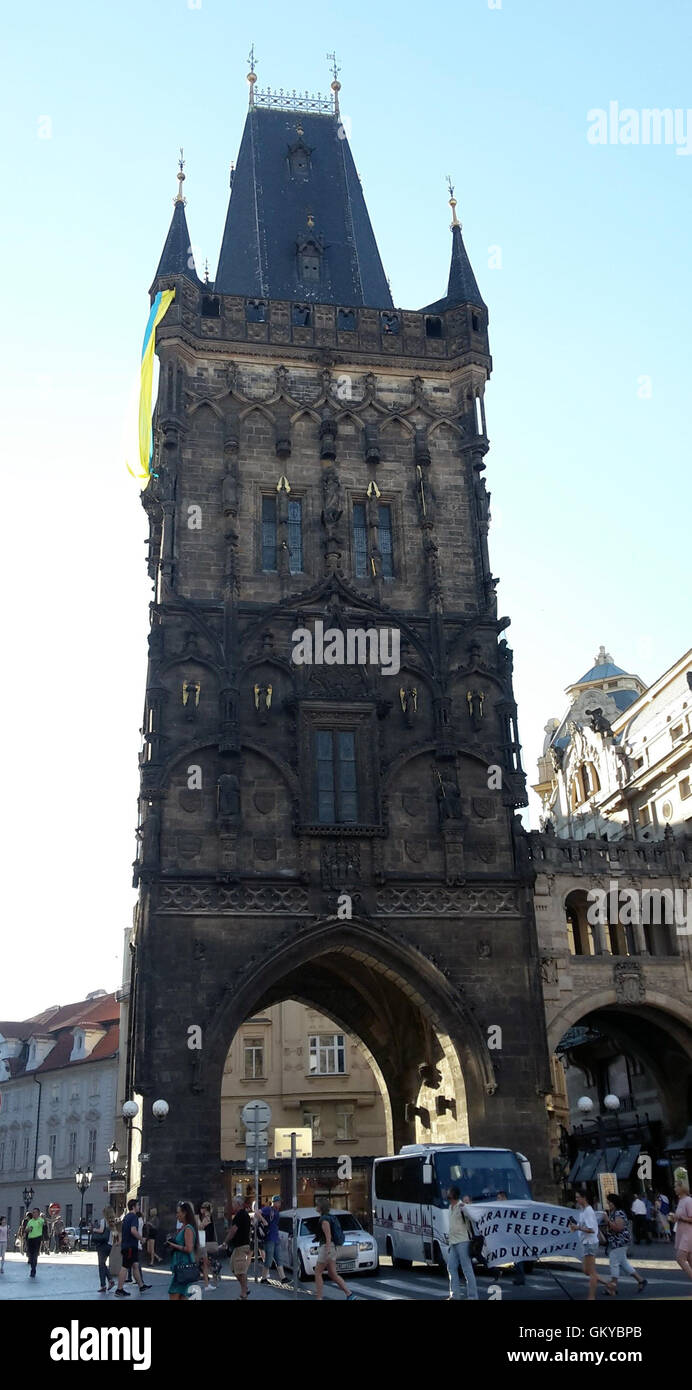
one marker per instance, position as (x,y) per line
(257,1138)
(282,1143)
(54,1209)
(256,1158)
(256,1114)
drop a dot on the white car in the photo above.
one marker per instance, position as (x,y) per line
(360,1248)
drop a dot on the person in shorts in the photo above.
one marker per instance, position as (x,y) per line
(587,1226)
(130,1240)
(238,1243)
(617,1238)
(326,1259)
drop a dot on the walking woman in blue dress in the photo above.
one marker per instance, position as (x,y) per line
(185,1248)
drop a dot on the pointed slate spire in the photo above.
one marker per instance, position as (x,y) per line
(177,257)
(462,287)
(293,162)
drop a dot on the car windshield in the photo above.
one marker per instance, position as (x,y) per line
(480,1175)
(311,1226)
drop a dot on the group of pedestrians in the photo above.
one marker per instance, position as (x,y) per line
(614,1232)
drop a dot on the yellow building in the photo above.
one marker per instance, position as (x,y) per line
(311,1075)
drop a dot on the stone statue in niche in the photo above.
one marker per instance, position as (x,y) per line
(263,701)
(150,836)
(228,796)
(156,644)
(506,659)
(448,798)
(191,693)
(475,700)
(408,696)
(333,508)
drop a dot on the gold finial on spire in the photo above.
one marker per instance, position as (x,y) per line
(453,203)
(181,179)
(310,220)
(252,75)
(336,85)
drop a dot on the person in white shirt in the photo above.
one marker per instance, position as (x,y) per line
(587,1226)
(459,1252)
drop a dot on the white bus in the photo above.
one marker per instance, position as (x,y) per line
(409,1194)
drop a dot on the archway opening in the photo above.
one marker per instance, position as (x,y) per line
(623,1083)
(343,1046)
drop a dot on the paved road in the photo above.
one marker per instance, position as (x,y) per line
(74,1278)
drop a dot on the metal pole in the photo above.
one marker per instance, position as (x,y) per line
(294,1204)
(256,1206)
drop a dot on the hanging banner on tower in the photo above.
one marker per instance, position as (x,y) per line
(159,308)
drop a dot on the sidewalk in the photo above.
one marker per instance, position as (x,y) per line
(75,1277)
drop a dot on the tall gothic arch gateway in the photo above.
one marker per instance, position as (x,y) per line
(339,831)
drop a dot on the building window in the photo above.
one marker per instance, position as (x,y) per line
(346,320)
(255,311)
(13,1153)
(433,326)
(89,1211)
(389,323)
(25,1152)
(91,1155)
(360,541)
(300,315)
(295,535)
(211,307)
(72,1148)
(384,537)
(644,815)
(253,1055)
(336,785)
(327,1054)
(344,1123)
(269,534)
(312,1120)
(68,1213)
(475,323)
(685,789)
(676,733)
(2,1157)
(52,1145)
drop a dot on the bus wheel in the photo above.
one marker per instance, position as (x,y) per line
(396,1262)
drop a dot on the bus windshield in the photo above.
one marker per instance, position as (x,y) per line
(479,1174)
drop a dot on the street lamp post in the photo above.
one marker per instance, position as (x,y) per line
(83,1181)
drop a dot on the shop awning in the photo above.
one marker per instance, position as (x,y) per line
(626,1160)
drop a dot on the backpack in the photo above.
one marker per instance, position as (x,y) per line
(337,1229)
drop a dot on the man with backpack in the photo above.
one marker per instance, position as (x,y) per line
(330,1237)
(617,1239)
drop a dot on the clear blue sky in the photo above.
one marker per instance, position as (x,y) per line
(590,482)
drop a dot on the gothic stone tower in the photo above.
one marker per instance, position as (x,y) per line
(333,833)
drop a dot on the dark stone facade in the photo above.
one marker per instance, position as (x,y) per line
(242,875)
